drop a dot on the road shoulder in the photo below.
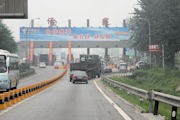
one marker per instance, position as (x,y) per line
(132,110)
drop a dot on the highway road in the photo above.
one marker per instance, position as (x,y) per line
(42,74)
(66,101)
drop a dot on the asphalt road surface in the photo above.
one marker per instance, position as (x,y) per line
(63,101)
(42,74)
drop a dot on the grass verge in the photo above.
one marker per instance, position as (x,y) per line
(164,109)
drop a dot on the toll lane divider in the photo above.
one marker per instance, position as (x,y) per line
(7,99)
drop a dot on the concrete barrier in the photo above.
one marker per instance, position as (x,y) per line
(12,100)
(2,104)
(16,96)
(7,99)
(21,94)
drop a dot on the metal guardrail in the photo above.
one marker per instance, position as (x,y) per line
(166,98)
(136,91)
(149,95)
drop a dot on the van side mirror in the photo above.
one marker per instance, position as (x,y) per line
(7,62)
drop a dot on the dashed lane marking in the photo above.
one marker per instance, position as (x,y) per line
(121,112)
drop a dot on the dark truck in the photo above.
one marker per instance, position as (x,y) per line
(44,58)
(89,63)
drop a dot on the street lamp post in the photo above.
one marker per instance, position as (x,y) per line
(29,32)
(32,21)
(149,24)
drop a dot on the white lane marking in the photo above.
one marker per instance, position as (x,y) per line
(121,112)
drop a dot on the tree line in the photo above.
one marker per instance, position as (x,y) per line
(162,18)
(7,41)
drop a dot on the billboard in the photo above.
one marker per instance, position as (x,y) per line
(74,34)
(130,52)
(14,9)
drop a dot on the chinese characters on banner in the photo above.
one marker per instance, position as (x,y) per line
(76,36)
(154,48)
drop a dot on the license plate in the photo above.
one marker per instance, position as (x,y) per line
(80,77)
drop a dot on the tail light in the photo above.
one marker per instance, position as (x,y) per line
(74,77)
(85,77)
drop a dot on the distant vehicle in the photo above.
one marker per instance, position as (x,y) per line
(131,68)
(91,64)
(59,65)
(139,64)
(44,58)
(9,70)
(123,67)
(112,66)
(42,65)
(107,69)
(79,76)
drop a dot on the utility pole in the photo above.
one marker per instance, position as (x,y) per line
(149,25)
(69,45)
(88,49)
(163,56)
(105,22)
(69,23)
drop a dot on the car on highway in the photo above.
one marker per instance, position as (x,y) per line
(139,64)
(79,76)
(107,69)
(42,65)
(123,67)
(131,68)
(58,65)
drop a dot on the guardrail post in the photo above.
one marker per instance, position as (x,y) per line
(150,102)
(141,100)
(156,107)
(174,113)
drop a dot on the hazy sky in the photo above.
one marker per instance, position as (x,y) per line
(76,10)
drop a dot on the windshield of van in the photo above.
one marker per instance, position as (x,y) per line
(3,67)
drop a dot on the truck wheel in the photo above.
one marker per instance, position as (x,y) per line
(94,75)
(99,75)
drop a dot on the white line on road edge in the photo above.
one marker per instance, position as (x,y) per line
(121,112)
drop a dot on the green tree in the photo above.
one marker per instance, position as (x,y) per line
(164,18)
(6,40)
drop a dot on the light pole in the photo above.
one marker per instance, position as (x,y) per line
(32,21)
(149,26)
(29,32)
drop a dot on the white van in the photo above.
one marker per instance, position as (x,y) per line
(123,67)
